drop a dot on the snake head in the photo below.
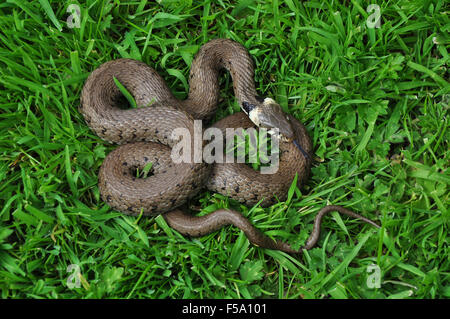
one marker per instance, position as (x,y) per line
(269,114)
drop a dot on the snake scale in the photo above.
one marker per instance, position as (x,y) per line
(145,135)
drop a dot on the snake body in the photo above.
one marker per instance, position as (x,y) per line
(145,135)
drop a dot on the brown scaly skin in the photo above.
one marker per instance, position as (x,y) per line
(145,136)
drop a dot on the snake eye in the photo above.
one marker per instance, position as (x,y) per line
(247,107)
(259,98)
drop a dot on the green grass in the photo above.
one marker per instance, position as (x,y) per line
(375,102)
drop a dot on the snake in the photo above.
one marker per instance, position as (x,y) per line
(145,136)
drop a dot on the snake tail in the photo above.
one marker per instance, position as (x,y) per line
(197,226)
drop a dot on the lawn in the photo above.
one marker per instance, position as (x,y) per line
(374,98)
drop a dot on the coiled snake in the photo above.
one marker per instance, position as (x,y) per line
(146,135)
